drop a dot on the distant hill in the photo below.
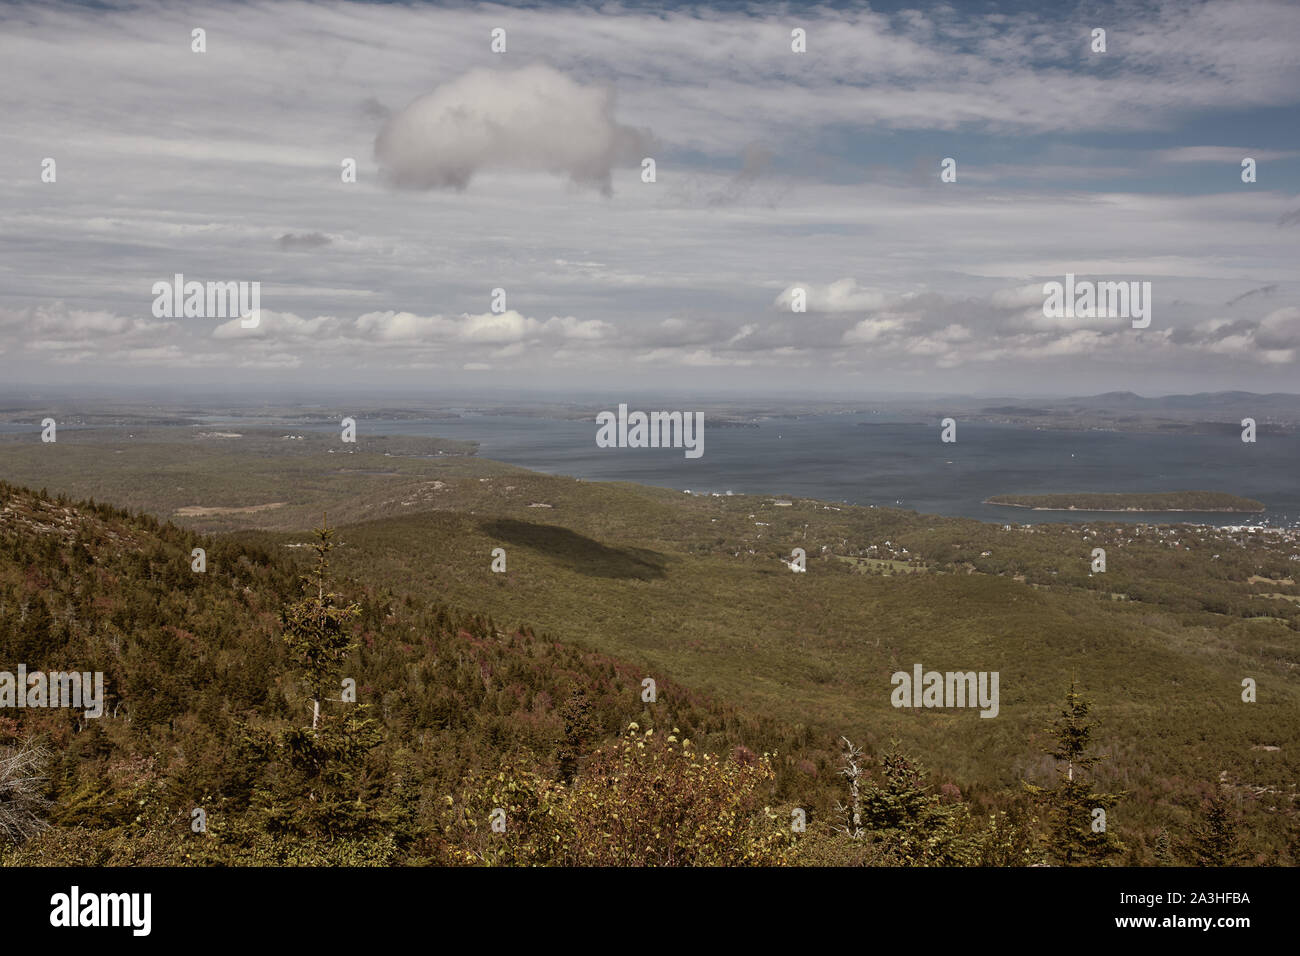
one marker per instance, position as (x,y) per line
(1276,412)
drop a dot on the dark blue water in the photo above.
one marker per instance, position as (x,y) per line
(897,464)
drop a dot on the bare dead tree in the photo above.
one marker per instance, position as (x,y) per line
(852,814)
(22,780)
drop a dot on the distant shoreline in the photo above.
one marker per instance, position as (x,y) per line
(1118,511)
(1173,502)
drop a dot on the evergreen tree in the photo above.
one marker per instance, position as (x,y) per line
(320,785)
(909,824)
(36,634)
(1077,835)
(316,628)
(1215,840)
(579,730)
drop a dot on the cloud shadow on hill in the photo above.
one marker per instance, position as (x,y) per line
(577,552)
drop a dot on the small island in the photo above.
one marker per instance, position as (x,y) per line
(1109,501)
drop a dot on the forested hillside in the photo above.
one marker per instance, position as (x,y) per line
(229,733)
(205,710)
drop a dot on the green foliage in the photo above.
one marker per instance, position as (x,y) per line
(579,731)
(316,628)
(209,712)
(206,702)
(316,774)
(909,823)
(316,780)
(896,820)
(645,801)
(1214,839)
(1076,834)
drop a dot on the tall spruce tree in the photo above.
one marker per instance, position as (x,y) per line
(1076,835)
(1215,841)
(316,628)
(909,824)
(319,789)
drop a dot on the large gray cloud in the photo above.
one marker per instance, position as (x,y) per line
(535,119)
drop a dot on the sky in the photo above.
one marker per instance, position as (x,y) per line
(523,171)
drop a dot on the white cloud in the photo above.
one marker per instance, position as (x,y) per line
(842,295)
(1280,329)
(569,327)
(399,327)
(271,324)
(1232,155)
(535,119)
(496,328)
(1021,297)
(871,330)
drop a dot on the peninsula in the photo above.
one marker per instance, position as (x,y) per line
(1109,501)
